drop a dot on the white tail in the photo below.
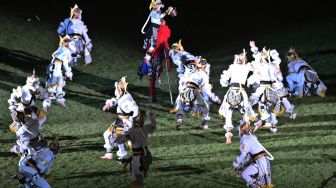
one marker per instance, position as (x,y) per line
(143,27)
(270,156)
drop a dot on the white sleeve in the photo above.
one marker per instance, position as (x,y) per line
(66,66)
(271,72)
(244,149)
(111,102)
(206,88)
(17,93)
(135,109)
(162,15)
(225,76)
(85,35)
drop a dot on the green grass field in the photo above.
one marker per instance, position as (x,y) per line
(304,149)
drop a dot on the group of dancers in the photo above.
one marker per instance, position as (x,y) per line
(262,76)
(36,154)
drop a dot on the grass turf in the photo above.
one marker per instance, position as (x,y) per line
(304,149)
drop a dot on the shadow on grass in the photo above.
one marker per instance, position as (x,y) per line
(27,62)
(325,182)
(7,141)
(8,154)
(82,147)
(90,175)
(304,129)
(181,170)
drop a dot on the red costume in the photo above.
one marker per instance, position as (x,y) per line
(157,55)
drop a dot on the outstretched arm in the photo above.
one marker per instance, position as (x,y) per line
(110,103)
(17,93)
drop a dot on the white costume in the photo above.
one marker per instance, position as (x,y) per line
(190,98)
(155,16)
(264,76)
(27,94)
(31,178)
(180,59)
(77,30)
(184,62)
(236,97)
(278,85)
(261,74)
(58,69)
(301,78)
(269,104)
(253,161)
(35,167)
(28,132)
(127,110)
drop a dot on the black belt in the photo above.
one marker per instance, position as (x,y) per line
(237,85)
(304,67)
(139,151)
(265,82)
(192,85)
(75,35)
(258,155)
(125,114)
(58,60)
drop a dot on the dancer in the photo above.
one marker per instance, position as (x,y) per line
(127,110)
(253,163)
(77,30)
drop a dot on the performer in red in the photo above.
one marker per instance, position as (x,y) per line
(152,63)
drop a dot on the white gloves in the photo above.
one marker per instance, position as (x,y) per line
(110,103)
(69,75)
(46,104)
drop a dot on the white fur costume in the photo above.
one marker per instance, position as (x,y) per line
(237,74)
(301,77)
(28,131)
(278,85)
(127,110)
(76,28)
(184,62)
(58,69)
(35,167)
(253,161)
(261,75)
(190,98)
(27,95)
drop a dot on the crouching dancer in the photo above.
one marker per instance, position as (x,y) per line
(254,161)
(35,166)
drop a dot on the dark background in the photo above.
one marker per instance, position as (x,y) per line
(199,23)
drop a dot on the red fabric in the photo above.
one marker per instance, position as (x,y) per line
(163,35)
(162,44)
(162,41)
